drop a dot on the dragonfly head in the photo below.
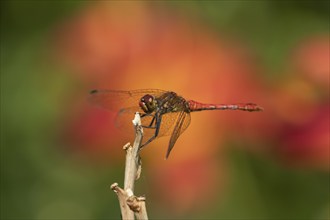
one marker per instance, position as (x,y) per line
(148,103)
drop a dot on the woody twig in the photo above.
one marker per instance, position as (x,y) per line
(131,205)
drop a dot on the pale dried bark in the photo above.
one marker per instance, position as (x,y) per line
(130,204)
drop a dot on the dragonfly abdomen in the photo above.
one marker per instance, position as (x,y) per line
(197,106)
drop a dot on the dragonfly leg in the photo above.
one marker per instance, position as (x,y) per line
(158,120)
(152,121)
(143,115)
(143,126)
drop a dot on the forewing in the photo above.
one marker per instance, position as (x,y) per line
(126,103)
(180,126)
(115,100)
(124,122)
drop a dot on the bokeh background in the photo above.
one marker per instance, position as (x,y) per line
(59,155)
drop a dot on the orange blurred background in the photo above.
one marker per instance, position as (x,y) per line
(66,152)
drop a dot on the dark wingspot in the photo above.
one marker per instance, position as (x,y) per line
(93,91)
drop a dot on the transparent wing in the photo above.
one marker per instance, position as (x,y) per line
(126,103)
(115,100)
(124,122)
(181,125)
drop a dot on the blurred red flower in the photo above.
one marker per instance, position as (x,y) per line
(190,184)
(138,45)
(153,49)
(302,107)
(307,145)
(134,45)
(312,58)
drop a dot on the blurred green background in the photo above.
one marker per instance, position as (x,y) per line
(44,176)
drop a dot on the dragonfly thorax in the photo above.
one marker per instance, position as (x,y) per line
(148,103)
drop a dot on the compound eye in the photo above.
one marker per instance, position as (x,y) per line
(147,103)
(147,99)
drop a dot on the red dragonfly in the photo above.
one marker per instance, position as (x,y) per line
(163,112)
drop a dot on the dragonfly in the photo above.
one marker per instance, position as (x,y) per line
(163,113)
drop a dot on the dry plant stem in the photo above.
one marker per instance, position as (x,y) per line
(130,204)
(142,213)
(132,160)
(126,212)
